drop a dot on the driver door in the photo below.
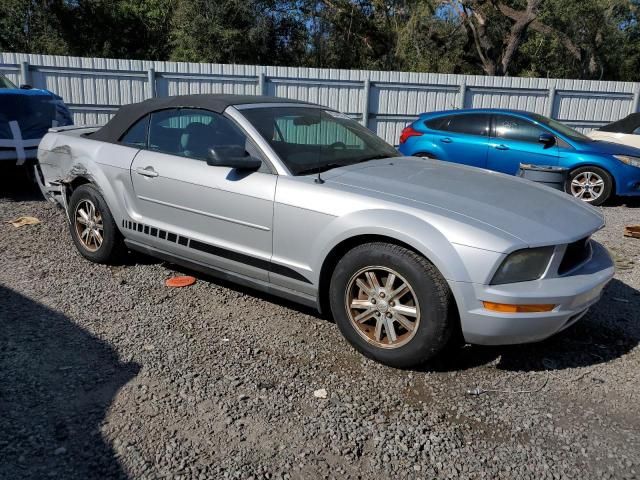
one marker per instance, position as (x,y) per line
(515,140)
(214,215)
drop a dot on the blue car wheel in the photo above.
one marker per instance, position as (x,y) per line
(590,184)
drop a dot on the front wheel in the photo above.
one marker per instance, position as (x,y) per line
(392,304)
(590,184)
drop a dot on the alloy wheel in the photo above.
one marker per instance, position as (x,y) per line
(89,227)
(587,186)
(382,306)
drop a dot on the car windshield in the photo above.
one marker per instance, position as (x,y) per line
(310,140)
(561,128)
(5,83)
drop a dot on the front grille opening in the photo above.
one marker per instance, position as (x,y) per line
(576,254)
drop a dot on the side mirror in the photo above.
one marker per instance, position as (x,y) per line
(232,156)
(547,139)
(25,87)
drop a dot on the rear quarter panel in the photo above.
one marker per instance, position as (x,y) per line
(65,156)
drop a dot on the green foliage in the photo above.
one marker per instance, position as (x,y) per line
(556,38)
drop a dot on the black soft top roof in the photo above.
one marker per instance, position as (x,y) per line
(627,125)
(129,114)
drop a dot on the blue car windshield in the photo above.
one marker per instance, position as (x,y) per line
(561,128)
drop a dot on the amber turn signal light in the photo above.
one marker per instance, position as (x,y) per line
(508,308)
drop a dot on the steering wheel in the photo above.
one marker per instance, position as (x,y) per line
(338,145)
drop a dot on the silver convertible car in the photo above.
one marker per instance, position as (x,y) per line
(303,202)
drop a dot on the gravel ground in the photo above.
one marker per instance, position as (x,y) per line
(106,373)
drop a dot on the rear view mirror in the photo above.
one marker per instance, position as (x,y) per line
(547,139)
(232,156)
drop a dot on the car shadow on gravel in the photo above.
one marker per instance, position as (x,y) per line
(16,185)
(609,330)
(57,382)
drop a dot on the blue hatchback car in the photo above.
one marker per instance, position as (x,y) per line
(500,140)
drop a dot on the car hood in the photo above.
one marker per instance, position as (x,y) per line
(534,214)
(609,148)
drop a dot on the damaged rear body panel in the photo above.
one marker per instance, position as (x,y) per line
(67,157)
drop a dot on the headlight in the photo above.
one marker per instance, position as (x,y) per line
(523,265)
(629,160)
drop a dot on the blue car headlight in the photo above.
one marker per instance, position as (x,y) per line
(629,160)
(523,265)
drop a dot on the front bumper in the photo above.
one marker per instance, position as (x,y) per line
(573,294)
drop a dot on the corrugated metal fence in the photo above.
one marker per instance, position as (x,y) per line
(94,88)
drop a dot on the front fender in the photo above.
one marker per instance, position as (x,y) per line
(403,227)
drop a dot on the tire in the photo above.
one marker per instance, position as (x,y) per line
(111,249)
(424,155)
(428,297)
(597,185)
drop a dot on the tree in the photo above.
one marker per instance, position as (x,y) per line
(31,26)
(235,31)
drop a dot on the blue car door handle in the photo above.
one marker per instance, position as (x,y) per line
(502,147)
(446,140)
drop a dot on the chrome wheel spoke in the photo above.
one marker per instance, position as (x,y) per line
(406,310)
(361,304)
(364,287)
(364,316)
(399,292)
(378,333)
(373,280)
(98,237)
(390,330)
(391,278)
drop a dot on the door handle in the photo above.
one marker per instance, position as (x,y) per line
(502,147)
(147,172)
(446,140)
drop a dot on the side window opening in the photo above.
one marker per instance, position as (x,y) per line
(136,136)
(514,128)
(190,133)
(470,124)
(439,123)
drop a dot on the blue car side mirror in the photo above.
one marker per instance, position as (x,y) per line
(547,140)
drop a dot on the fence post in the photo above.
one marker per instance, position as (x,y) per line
(463,94)
(151,78)
(25,77)
(551,100)
(635,107)
(262,85)
(365,102)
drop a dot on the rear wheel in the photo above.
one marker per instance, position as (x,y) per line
(590,184)
(391,304)
(92,227)
(424,155)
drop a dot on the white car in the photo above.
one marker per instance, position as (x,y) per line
(625,131)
